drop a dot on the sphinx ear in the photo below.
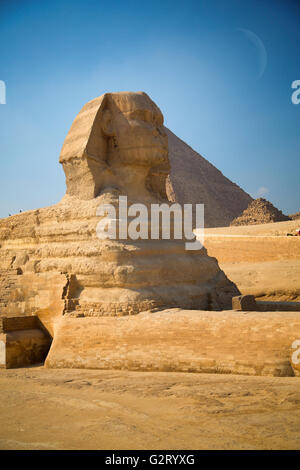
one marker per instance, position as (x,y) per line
(107,123)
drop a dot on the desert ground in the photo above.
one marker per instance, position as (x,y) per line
(90,409)
(44,408)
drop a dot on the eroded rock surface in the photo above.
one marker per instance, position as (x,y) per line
(252,343)
(52,261)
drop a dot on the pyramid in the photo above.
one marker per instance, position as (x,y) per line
(193,180)
(260,211)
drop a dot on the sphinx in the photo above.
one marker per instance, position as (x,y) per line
(52,263)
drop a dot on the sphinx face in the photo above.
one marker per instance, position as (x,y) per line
(140,138)
(111,133)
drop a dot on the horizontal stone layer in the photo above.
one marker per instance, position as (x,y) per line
(253,343)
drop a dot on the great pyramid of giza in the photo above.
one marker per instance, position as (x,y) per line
(260,211)
(193,180)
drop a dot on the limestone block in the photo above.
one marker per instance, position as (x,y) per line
(267,306)
(244,303)
(23,347)
(39,294)
(18,323)
(179,340)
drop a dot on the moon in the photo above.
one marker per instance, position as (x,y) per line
(262,53)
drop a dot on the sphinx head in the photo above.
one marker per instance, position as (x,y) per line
(116,140)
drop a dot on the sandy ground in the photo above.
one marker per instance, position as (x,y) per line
(89,409)
(92,409)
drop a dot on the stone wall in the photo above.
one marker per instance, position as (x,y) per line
(266,266)
(260,211)
(252,249)
(23,347)
(23,341)
(255,343)
(8,283)
(41,294)
(18,323)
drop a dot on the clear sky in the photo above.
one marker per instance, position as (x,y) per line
(221,72)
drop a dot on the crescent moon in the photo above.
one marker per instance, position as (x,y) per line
(262,53)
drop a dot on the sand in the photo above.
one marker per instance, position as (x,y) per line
(89,409)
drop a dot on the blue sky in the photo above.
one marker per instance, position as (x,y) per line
(221,72)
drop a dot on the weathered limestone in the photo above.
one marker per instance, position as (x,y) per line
(265,306)
(23,341)
(116,146)
(18,323)
(177,340)
(260,259)
(33,293)
(53,265)
(247,303)
(117,141)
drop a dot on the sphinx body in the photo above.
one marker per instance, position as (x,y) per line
(54,261)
